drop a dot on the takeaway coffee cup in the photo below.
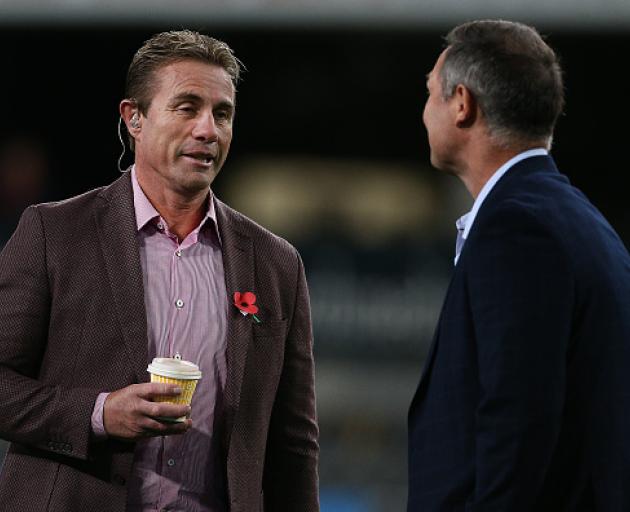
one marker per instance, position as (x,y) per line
(175,371)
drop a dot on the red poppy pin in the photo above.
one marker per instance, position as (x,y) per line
(246,304)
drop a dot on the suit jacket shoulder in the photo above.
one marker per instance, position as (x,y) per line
(80,208)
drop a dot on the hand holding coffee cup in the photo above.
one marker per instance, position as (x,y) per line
(158,408)
(130,413)
(166,370)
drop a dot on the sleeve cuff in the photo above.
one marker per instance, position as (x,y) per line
(98,428)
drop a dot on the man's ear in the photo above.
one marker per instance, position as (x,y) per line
(131,116)
(466,107)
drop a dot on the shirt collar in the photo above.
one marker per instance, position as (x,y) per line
(146,212)
(468,219)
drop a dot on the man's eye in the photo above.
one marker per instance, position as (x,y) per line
(186,109)
(222,115)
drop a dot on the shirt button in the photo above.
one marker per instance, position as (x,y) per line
(160,226)
(179,303)
(171,462)
(178,253)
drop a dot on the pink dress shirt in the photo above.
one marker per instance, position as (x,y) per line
(186,304)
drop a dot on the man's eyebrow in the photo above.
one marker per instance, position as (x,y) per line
(195,98)
(225,105)
(186,96)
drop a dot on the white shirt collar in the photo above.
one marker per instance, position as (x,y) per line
(466,221)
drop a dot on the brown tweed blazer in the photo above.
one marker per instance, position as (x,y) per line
(73,324)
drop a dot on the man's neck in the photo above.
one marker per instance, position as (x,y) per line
(484,161)
(182,212)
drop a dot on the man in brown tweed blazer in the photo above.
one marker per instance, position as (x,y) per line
(84,295)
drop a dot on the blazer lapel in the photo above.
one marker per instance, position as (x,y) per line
(238,264)
(116,226)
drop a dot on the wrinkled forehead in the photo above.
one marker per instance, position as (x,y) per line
(193,73)
(190,76)
(435,74)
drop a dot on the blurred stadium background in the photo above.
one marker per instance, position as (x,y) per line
(329,152)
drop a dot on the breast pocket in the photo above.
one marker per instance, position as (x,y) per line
(270,328)
(268,345)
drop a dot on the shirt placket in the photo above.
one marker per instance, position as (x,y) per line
(174,447)
(180,294)
(177,300)
(171,461)
(171,447)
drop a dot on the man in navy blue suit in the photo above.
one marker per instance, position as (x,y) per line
(524,401)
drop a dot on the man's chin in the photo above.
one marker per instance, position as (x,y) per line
(442,166)
(195,186)
(191,183)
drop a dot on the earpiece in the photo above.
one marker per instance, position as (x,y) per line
(135,120)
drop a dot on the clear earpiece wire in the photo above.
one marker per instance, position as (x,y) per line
(122,143)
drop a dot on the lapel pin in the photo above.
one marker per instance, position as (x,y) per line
(246,304)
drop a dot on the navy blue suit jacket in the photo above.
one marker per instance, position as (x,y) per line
(524,402)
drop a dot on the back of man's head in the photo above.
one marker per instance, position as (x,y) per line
(513,74)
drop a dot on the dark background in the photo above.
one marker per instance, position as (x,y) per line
(348,96)
(342,93)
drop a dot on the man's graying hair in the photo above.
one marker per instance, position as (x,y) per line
(512,73)
(169,47)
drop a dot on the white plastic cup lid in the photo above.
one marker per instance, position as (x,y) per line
(174,368)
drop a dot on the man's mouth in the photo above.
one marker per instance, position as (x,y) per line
(202,157)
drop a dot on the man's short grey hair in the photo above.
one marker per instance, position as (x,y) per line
(513,74)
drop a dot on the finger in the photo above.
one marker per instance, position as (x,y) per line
(153,427)
(156,427)
(178,428)
(163,409)
(150,390)
(171,410)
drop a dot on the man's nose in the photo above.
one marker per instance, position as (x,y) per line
(205,129)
